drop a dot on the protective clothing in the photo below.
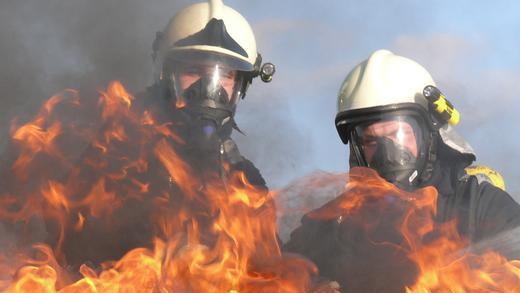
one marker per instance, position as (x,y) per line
(205,58)
(387,87)
(362,261)
(392,128)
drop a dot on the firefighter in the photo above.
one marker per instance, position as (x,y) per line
(398,123)
(205,60)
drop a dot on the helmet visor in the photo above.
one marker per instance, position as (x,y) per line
(394,141)
(216,85)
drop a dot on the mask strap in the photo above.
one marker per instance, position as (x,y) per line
(431,157)
(355,146)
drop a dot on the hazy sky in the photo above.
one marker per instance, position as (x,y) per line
(470,48)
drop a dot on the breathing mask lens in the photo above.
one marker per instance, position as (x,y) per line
(391,146)
(217,85)
(396,135)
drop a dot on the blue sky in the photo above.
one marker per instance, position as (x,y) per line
(470,48)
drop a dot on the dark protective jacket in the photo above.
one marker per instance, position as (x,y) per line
(134,225)
(110,236)
(344,252)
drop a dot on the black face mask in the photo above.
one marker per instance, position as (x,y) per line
(407,167)
(395,163)
(210,115)
(201,92)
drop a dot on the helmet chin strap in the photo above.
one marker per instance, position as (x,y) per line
(431,157)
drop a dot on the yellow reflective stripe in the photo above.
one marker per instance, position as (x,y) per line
(494,177)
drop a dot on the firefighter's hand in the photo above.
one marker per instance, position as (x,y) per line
(327,287)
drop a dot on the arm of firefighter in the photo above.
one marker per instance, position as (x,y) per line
(312,240)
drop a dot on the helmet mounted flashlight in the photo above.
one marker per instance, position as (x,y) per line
(267,71)
(441,106)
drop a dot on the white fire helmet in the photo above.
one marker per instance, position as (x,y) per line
(205,59)
(390,124)
(210,33)
(213,28)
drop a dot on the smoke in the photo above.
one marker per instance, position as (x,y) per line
(507,243)
(486,97)
(304,195)
(272,141)
(49,45)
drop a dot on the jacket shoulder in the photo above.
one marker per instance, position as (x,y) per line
(491,209)
(486,174)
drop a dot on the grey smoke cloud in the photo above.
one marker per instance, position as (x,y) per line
(484,96)
(304,195)
(507,243)
(48,45)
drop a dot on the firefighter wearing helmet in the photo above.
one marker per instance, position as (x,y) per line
(205,59)
(398,123)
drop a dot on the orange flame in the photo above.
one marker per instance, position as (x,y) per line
(444,263)
(218,236)
(180,103)
(212,233)
(40,134)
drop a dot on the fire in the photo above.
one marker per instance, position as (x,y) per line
(39,135)
(180,103)
(209,235)
(204,233)
(441,255)
(488,272)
